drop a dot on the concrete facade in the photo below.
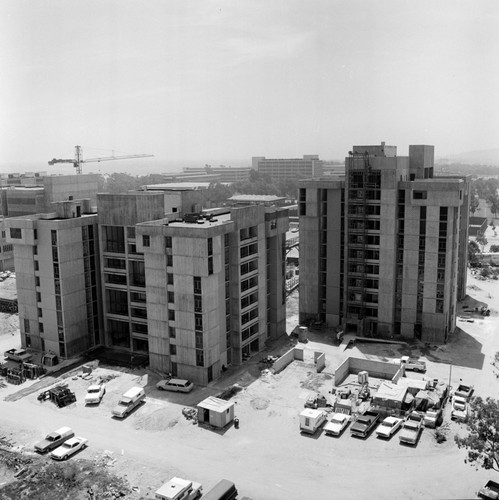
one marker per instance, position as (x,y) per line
(289,168)
(215,288)
(383,252)
(57,270)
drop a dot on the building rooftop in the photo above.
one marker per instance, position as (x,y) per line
(257,198)
(218,405)
(177,186)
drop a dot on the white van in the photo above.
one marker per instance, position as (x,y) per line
(128,401)
(179,489)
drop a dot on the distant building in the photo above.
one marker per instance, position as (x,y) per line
(478,226)
(383,252)
(289,168)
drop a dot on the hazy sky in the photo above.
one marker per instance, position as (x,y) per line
(217,80)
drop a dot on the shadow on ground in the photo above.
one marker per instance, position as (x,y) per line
(461,350)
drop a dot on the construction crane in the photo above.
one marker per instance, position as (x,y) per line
(78,159)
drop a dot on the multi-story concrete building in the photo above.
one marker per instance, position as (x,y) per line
(289,168)
(35,194)
(222,295)
(383,253)
(125,315)
(57,274)
(196,294)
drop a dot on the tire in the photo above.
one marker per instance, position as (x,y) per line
(65,457)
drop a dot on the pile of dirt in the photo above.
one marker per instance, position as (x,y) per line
(43,479)
(159,420)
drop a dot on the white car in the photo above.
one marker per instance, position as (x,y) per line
(337,424)
(68,448)
(94,394)
(389,426)
(175,385)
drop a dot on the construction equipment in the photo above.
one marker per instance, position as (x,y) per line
(78,159)
(60,395)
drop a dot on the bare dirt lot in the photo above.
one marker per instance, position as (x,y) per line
(266,457)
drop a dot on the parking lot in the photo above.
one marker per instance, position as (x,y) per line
(268,457)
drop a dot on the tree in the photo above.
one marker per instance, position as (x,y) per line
(474,203)
(482,441)
(481,240)
(473,250)
(494,248)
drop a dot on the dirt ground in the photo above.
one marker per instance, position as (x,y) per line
(266,457)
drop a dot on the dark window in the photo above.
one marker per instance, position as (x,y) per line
(37,268)
(171,297)
(171,314)
(248,250)
(210,265)
(419,195)
(173,349)
(169,278)
(198,321)
(173,332)
(117,302)
(210,246)
(197,284)
(199,358)
(199,340)
(131,232)
(119,332)
(139,328)
(146,240)
(137,273)
(114,239)
(38,297)
(117,279)
(26,326)
(40,327)
(168,241)
(15,232)
(139,312)
(138,297)
(37,281)
(198,303)
(40,312)
(115,263)
(169,260)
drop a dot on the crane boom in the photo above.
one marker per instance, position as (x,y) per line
(78,159)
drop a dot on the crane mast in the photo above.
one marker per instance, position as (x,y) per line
(78,159)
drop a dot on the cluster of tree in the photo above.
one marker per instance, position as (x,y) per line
(482,440)
(485,189)
(466,169)
(216,193)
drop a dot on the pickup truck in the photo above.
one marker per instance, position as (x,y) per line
(19,355)
(464,391)
(365,423)
(412,428)
(413,364)
(433,418)
(54,439)
(490,491)
(460,409)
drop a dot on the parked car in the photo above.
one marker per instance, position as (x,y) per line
(460,409)
(337,424)
(68,448)
(175,385)
(490,491)
(413,364)
(95,394)
(365,423)
(464,391)
(389,427)
(433,418)
(19,355)
(411,428)
(128,401)
(179,489)
(54,439)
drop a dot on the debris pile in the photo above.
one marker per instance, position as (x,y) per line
(190,414)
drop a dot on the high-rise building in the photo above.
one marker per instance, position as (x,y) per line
(196,293)
(57,276)
(289,168)
(215,288)
(383,252)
